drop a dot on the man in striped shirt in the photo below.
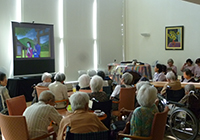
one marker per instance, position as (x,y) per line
(39,115)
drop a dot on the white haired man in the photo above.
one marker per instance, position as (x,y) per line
(59,89)
(39,115)
(80,121)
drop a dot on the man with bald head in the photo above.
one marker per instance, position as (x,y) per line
(39,115)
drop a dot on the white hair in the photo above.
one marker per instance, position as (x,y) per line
(189,87)
(84,81)
(146,95)
(128,78)
(170,75)
(78,100)
(96,83)
(45,76)
(141,83)
(91,73)
(46,96)
(59,77)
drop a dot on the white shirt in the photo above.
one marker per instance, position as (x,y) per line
(117,90)
(39,116)
(60,92)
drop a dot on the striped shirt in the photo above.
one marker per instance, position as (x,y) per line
(38,118)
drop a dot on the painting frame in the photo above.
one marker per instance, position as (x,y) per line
(174,37)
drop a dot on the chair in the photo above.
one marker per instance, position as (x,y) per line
(157,129)
(175,95)
(64,100)
(105,107)
(85,90)
(39,89)
(15,128)
(126,100)
(103,135)
(16,105)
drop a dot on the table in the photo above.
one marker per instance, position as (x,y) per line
(161,84)
(64,113)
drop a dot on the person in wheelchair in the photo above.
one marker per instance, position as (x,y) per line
(173,83)
(189,90)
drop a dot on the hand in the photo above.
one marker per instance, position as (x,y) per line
(111,98)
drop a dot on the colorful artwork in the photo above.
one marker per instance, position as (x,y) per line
(174,38)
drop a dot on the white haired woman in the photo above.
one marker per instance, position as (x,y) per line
(80,121)
(96,84)
(59,89)
(173,83)
(84,82)
(142,117)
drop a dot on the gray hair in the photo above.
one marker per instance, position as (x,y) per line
(91,73)
(78,100)
(147,95)
(45,76)
(59,77)
(46,96)
(96,83)
(170,75)
(128,78)
(84,81)
(170,61)
(141,83)
(189,87)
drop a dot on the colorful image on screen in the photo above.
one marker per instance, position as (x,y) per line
(32,43)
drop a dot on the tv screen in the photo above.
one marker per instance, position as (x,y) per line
(33,48)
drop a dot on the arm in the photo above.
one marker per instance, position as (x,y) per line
(183,67)
(116,91)
(136,123)
(163,91)
(65,95)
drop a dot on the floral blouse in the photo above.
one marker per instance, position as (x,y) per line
(141,121)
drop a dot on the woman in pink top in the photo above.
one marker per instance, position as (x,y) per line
(197,68)
(188,65)
(170,63)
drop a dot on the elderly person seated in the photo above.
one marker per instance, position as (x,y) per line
(102,75)
(142,117)
(96,85)
(172,83)
(80,121)
(125,83)
(188,65)
(159,75)
(171,65)
(188,88)
(39,115)
(84,82)
(187,76)
(46,81)
(59,89)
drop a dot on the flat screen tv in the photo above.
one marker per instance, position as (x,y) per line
(33,48)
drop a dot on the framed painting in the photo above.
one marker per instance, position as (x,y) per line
(174,38)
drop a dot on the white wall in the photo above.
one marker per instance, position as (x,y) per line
(153,16)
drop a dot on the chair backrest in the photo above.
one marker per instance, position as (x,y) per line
(14,127)
(102,135)
(105,107)
(175,95)
(158,125)
(194,104)
(85,90)
(39,89)
(107,90)
(127,98)
(16,105)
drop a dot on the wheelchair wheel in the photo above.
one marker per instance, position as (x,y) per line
(183,124)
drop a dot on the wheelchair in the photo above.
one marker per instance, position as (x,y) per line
(182,122)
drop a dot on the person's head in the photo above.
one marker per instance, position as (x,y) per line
(84,81)
(158,68)
(187,73)
(79,101)
(170,76)
(127,78)
(91,73)
(164,69)
(48,97)
(96,83)
(46,77)
(197,61)
(170,62)
(101,74)
(60,77)
(189,87)
(140,84)
(189,62)
(146,95)
(3,79)
(28,44)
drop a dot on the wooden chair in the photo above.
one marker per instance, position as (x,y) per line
(39,89)
(157,129)
(64,100)
(16,105)
(103,135)
(15,128)
(126,100)
(85,90)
